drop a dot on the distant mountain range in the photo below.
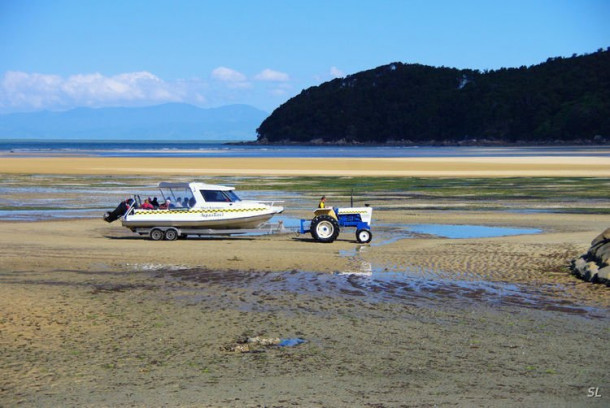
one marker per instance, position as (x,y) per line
(560,101)
(172,121)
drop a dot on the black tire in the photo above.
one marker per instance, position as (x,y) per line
(324,228)
(156,234)
(364,236)
(171,235)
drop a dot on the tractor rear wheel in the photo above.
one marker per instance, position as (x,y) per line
(324,228)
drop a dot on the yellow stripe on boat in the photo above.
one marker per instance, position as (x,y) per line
(163,212)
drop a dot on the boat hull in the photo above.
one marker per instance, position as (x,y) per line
(195,219)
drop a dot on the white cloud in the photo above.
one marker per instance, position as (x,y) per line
(336,72)
(128,87)
(231,78)
(273,76)
(25,91)
(225,74)
(32,90)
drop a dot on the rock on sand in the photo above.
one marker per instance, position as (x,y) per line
(594,266)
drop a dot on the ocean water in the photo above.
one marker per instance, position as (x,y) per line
(17,148)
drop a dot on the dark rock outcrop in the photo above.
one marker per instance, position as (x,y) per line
(594,266)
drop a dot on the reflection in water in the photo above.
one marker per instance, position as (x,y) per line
(390,287)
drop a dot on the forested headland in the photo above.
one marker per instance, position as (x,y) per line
(560,101)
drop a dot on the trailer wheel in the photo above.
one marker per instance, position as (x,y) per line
(156,234)
(324,228)
(364,236)
(171,235)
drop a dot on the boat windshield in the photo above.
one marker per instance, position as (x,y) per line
(178,197)
(216,196)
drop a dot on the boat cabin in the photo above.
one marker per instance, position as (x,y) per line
(196,195)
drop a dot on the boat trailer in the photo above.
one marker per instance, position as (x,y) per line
(170,233)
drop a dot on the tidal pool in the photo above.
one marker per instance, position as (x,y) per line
(468,231)
(384,234)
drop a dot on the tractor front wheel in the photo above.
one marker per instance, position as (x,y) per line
(364,236)
(324,228)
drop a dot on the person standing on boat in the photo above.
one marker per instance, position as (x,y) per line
(322,202)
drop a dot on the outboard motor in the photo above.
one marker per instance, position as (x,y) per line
(118,212)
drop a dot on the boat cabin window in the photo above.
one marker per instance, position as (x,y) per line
(218,196)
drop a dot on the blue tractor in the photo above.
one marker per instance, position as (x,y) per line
(327,223)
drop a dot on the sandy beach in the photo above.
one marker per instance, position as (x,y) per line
(549,166)
(95,316)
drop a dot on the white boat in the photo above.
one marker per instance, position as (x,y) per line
(198,209)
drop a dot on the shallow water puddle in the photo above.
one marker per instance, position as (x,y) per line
(468,231)
(416,285)
(394,287)
(406,288)
(385,234)
(388,233)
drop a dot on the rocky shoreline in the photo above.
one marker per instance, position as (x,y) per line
(467,142)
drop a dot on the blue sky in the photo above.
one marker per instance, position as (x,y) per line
(58,54)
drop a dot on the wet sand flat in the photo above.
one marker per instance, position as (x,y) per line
(94,316)
(556,166)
